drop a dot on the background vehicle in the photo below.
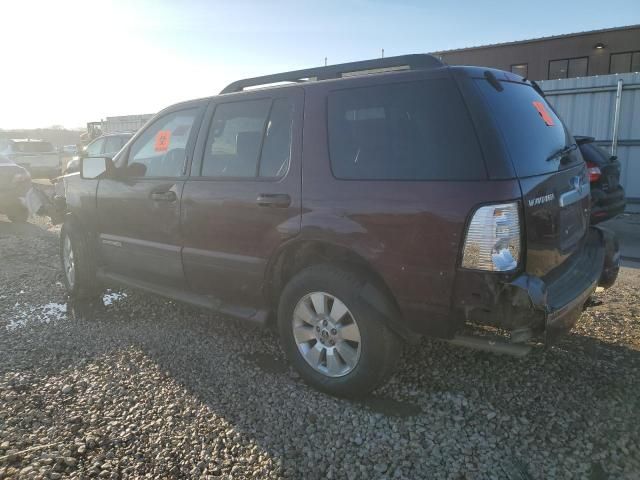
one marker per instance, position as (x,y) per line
(106,145)
(40,158)
(15,181)
(427,199)
(607,195)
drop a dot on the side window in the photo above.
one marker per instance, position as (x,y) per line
(161,149)
(276,150)
(403,131)
(94,149)
(112,145)
(249,139)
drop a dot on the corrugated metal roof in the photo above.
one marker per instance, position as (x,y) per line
(539,39)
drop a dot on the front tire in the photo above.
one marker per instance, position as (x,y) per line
(336,340)
(79,265)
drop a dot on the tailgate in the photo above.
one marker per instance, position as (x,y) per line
(556,212)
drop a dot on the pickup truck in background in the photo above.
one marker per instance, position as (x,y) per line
(38,157)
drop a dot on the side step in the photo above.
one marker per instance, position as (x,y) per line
(257,317)
(493,346)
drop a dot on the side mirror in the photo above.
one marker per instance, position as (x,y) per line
(95,167)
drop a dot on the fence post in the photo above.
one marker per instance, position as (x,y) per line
(616,119)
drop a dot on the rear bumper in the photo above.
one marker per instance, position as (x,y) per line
(560,296)
(546,306)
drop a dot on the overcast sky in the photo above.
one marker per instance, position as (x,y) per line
(70,62)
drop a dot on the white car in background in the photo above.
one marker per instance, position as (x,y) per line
(38,157)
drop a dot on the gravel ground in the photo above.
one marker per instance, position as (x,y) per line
(141,387)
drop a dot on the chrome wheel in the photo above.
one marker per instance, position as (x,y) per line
(68,262)
(326,334)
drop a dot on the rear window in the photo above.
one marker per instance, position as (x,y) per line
(405,131)
(33,147)
(531,129)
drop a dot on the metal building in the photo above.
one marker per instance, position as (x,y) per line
(596,52)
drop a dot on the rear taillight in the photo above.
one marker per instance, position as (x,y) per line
(493,238)
(594,171)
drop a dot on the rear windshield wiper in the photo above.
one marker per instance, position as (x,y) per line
(563,152)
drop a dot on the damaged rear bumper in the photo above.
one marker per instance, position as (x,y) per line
(549,306)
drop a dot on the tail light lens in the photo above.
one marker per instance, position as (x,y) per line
(594,171)
(493,238)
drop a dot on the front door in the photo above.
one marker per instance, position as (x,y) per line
(139,210)
(242,200)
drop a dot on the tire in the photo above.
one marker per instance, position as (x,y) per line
(19,215)
(348,368)
(80,280)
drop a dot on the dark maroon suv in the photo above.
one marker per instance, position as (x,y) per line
(360,205)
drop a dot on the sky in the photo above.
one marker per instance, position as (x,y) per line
(70,62)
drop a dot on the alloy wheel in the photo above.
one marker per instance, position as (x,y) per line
(326,334)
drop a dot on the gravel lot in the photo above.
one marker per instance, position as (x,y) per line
(145,388)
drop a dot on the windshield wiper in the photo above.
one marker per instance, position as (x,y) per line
(563,152)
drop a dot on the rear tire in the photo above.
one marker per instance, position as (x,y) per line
(336,340)
(79,265)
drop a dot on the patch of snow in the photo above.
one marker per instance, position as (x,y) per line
(26,314)
(109,298)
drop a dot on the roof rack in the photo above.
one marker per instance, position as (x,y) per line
(408,62)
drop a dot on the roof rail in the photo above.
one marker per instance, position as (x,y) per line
(410,62)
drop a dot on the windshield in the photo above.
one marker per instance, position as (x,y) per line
(33,147)
(532,131)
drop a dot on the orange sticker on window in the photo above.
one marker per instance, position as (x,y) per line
(539,106)
(163,137)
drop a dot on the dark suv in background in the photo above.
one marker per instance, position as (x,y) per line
(607,195)
(420,199)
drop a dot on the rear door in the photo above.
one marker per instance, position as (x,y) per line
(139,212)
(555,186)
(242,199)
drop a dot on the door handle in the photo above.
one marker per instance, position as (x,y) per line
(279,200)
(169,196)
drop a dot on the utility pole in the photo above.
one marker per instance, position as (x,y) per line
(382,53)
(325,61)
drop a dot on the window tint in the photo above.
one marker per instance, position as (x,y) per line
(161,149)
(249,138)
(276,151)
(408,131)
(521,69)
(531,130)
(112,145)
